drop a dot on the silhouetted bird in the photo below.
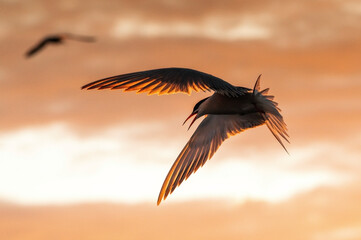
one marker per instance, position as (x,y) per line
(230,110)
(57,39)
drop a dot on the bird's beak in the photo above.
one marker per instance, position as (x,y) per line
(191,115)
(194,119)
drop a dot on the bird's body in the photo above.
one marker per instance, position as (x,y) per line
(222,105)
(56,39)
(230,110)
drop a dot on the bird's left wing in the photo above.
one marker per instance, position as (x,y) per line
(205,141)
(37,47)
(168,81)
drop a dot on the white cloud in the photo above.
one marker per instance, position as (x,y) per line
(352,7)
(345,233)
(52,164)
(219,28)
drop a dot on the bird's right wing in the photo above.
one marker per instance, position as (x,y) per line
(168,81)
(37,47)
(79,37)
(205,141)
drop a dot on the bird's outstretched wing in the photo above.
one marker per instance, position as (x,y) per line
(205,141)
(167,81)
(37,47)
(79,37)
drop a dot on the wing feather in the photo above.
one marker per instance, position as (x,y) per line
(205,141)
(37,48)
(167,81)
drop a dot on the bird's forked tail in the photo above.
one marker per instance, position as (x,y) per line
(270,112)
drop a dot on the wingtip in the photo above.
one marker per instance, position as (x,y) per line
(286,150)
(160,198)
(88,86)
(257,85)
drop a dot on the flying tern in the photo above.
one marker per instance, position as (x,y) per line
(229,111)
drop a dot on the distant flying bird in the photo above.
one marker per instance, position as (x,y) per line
(230,110)
(57,39)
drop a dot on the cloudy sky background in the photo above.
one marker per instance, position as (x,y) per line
(100,157)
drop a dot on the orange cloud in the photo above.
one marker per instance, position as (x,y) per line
(309,59)
(331,213)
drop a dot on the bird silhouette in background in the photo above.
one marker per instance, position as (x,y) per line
(57,39)
(230,110)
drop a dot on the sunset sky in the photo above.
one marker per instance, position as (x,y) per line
(97,159)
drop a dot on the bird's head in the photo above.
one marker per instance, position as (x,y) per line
(196,111)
